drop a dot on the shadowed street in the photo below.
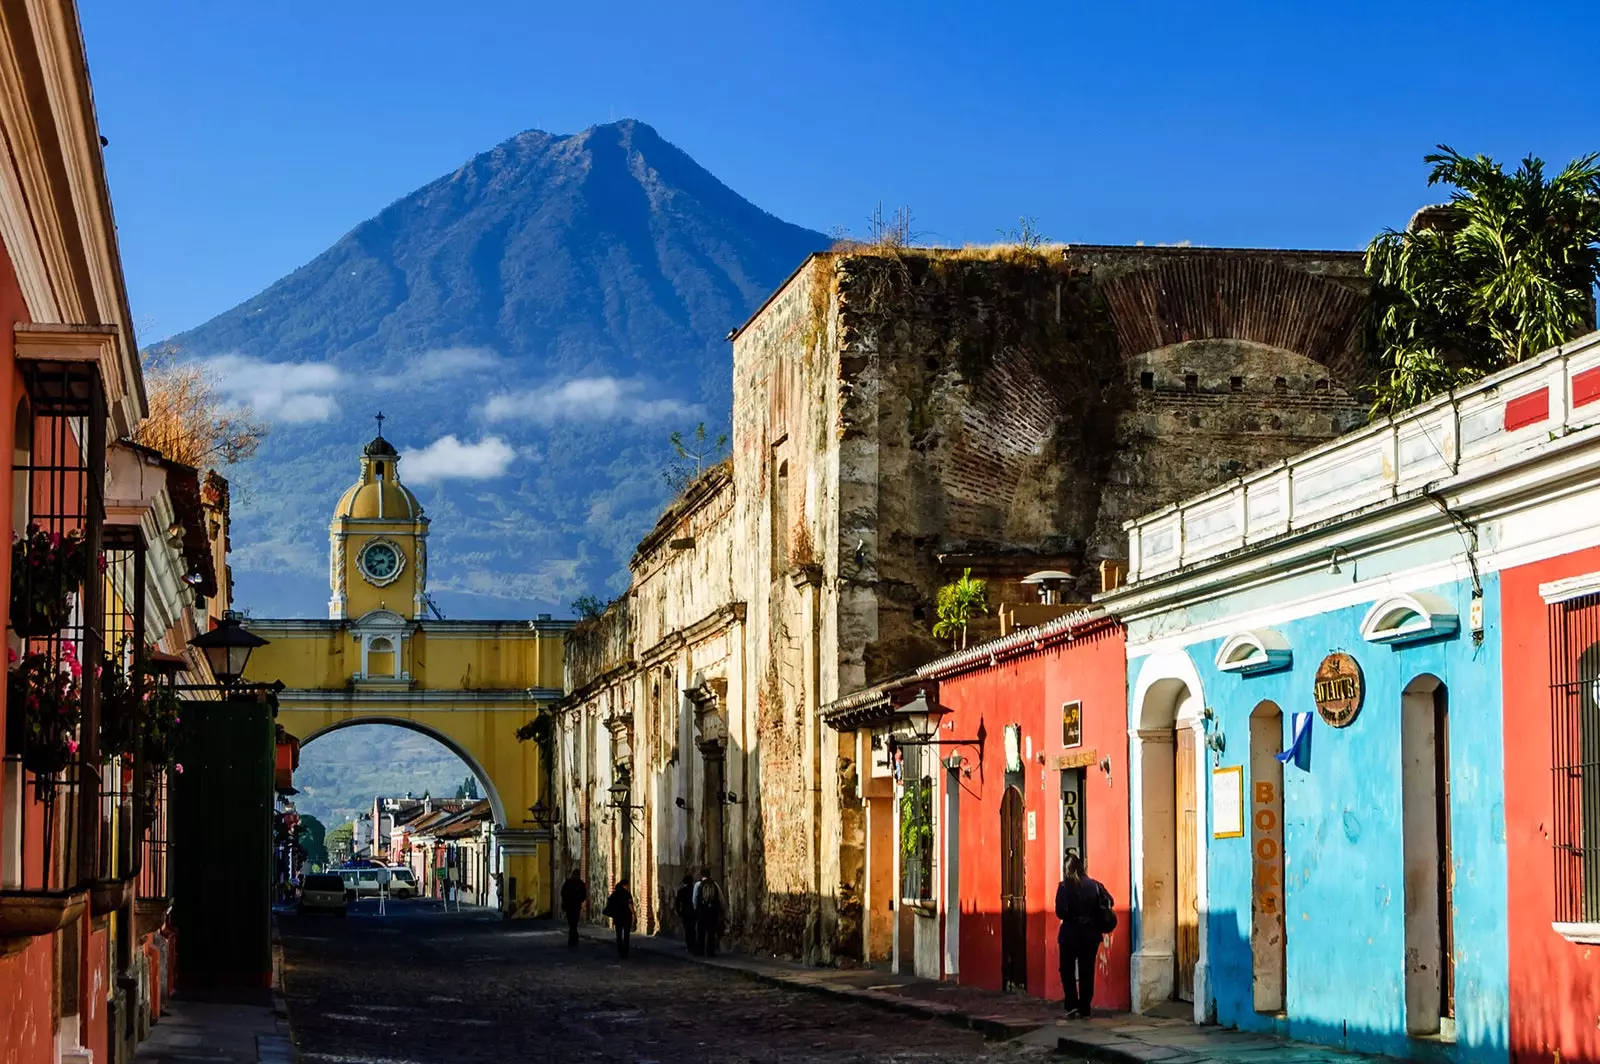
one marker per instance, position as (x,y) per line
(420,987)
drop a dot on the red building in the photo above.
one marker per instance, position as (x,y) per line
(978,773)
(1551,660)
(1051,703)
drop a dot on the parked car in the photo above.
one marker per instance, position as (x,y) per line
(324,892)
(402,883)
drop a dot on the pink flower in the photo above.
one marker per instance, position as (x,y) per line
(72,746)
(11,656)
(177,720)
(179,769)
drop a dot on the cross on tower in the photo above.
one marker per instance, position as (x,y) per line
(380,422)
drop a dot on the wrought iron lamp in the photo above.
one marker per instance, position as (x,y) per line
(916,724)
(227,648)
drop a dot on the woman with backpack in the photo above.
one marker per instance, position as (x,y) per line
(620,908)
(1086,911)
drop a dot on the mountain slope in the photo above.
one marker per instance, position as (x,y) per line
(567,296)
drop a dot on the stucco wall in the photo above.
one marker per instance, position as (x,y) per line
(1030,691)
(1554,984)
(1344,878)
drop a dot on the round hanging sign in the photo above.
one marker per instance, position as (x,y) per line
(1339,689)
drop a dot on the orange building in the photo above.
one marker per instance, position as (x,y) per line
(116,552)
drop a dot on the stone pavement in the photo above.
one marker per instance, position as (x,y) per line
(225,1032)
(1111,1037)
(223,1026)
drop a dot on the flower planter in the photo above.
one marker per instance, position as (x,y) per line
(35,619)
(25,916)
(108,895)
(150,914)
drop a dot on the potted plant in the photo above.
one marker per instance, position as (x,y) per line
(158,740)
(46,570)
(44,704)
(955,605)
(119,710)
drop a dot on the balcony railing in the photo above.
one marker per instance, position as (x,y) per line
(1500,419)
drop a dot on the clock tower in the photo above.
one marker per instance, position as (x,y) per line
(378,541)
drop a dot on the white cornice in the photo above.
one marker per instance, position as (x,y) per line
(55,207)
(1571,588)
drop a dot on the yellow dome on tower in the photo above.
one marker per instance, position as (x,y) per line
(379,493)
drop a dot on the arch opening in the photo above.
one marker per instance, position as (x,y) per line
(487,789)
(1169,759)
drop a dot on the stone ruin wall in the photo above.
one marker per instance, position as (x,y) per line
(1010,411)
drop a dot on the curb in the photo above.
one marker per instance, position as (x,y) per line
(993,1028)
(277,1048)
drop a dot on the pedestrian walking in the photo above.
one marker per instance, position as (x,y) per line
(1087,912)
(620,908)
(710,907)
(683,904)
(574,892)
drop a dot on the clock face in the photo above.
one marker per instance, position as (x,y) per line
(380,561)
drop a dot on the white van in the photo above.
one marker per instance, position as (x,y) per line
(402,883)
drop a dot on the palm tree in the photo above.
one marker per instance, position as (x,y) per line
(1505,270)
(955,605)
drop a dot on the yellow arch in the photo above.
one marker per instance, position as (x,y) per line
(485,780)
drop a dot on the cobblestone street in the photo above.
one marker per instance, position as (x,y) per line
(420,987)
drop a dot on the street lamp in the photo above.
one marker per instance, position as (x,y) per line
(544,816)
(619,793)
(227,647)
(920,723)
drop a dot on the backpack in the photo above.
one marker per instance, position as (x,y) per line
(1105,917)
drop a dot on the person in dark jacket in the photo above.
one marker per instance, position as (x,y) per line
(574,893)
(620,908)
(1079,904)
(683,905)
(709,909)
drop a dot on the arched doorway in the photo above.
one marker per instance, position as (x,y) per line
(1268,933)
(1425,801)
(1168,764)
(1013,893)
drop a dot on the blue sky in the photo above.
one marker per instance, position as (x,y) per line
(246,138)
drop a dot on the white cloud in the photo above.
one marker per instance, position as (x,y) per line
(287,392)
(442,364)
(584,398)
(447,457)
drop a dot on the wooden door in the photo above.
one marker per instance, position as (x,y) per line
(1267,928)
(1447,946)
(1013,900)
(1188,899)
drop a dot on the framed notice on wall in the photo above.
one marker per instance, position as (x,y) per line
(1227,802)
(1072,724)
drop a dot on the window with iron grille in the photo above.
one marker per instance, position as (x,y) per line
(1575,756)
(916,840)
(49,837)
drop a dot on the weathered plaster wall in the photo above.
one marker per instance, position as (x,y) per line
(889,410)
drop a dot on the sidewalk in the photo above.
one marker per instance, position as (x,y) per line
(998,1016)
(238,1031)
(223,1027)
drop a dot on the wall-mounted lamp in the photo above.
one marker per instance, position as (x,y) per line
(1333,560)
(1105,766)
(1216,741)
(730,798)
(680,803)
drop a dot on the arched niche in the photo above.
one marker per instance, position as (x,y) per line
(1409,618)
(1256,650)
